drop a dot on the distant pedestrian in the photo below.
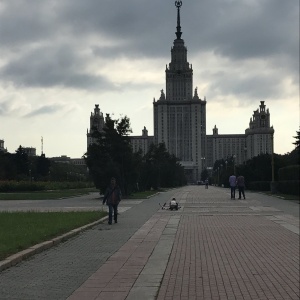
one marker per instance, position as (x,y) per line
(232,183)
(112,197)
(206,183)
(241,186)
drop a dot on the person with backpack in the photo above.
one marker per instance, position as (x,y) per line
(112,197)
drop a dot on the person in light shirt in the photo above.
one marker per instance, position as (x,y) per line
(232,184)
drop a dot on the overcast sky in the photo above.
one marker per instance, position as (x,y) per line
(60,58)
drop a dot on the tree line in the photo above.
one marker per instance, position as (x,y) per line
(258,168)
(19,166)
(112,156)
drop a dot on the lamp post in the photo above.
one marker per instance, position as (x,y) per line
(233,156)
(226,162)
(273,187)
(203,163)
(221,171)
(245,151)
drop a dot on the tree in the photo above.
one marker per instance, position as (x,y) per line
(297,142)
(112,156)
(204,174)
(161,169)
(22,163)
(42,167)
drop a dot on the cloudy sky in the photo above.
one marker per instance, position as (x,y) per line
(60,58)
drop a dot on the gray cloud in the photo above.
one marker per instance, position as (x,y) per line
(233,29)
(52,66)
(44,110)
(245,86)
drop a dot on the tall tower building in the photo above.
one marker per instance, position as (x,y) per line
(259,135)
(180,115)
(96,124)
(180,122)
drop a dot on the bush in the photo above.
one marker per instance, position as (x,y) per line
(289,173)
(27,186)
(290,187)
(258,185)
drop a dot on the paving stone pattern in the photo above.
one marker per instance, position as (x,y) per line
(212,248)
(54,274)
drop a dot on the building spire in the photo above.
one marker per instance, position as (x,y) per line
(178,4)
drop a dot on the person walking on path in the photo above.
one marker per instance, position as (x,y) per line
(241,186)
(232,183)
(206,183)
(112,197)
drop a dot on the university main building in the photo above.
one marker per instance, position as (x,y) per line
(180,122)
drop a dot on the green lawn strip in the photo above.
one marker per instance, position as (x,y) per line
(45,195)
(142,195)
(283,196)
(20,230)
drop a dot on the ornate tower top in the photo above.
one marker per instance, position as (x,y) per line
(178,4)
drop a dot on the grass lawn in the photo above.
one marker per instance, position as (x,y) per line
(46,195)
(283,196)
(142,195)
(20,230)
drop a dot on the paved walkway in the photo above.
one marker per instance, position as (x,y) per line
(212,248)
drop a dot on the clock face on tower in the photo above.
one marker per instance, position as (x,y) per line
(263,117)
(178,72)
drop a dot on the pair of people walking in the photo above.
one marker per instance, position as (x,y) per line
(237,182)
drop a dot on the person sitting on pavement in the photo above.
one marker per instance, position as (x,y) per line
(173,204)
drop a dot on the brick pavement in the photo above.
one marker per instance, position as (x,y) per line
(213,248)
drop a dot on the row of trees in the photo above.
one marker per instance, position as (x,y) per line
(112,156)
(19,166)
(258,168)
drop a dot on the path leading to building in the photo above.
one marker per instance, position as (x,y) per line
(212,248)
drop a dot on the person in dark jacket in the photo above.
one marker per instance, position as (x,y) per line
(112,197)
(241,186)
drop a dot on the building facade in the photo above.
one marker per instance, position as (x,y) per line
(179,117)
(2,146)
(258,139)
(96,124)
(142,142)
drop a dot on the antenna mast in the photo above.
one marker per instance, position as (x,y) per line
(42,145)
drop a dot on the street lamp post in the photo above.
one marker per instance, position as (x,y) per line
(203,163)
(273,186)
(233,156)
(245,151)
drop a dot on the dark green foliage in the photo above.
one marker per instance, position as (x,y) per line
(112,156)
(21,162)
(290,187)
(27,186)
(289,173)
(204,175)
(20,230)
(160,169)
(42,166)
(258,185)
(8,168)
(297,142)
